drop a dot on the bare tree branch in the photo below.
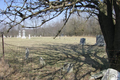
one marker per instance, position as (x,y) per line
(40,8)
(62,26)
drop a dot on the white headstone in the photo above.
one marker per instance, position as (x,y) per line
(111,74)
(19,33)
(4,36)
(29,36)
(42,62)
(23,36)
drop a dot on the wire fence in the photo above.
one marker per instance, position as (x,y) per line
(50,61)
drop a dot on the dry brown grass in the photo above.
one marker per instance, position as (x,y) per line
(87,59)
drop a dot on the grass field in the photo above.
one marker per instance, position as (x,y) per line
(86,60)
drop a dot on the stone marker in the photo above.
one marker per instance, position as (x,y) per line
(64,66)
(82,41)
(4,36)
(98,75)
(111,74)
(68,67)
(100,40)
(23,36)
(26,53)
(42,62)
(29,36)
(19,33)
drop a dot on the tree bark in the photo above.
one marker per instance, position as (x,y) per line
(117,36)
(108,33)
(111,33)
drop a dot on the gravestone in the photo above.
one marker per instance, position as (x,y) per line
(98,75)
(23,36)
(64,66)
(111,74)
(29,36)
(19,33)
(4,36)
(100,40)
(26,53)
(68,67)
(42,62)
(82,41)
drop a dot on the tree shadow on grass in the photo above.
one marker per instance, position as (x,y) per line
(86,60)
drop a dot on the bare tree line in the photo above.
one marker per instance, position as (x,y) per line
(76,26)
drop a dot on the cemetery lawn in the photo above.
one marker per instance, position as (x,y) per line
(86,60)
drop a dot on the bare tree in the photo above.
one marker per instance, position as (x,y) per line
(107,11)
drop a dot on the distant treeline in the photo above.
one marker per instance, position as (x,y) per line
(76,26)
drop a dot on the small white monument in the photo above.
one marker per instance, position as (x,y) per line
(42,62)
(23,36)
(4,36)
(19,33)
(111,74)
(29,36)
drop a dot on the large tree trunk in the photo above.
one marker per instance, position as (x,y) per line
(117,34)
(111,33)
(108,33)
